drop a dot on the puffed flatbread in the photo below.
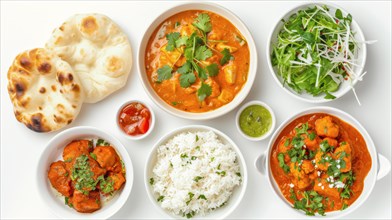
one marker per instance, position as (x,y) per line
(44,90)
(97,50)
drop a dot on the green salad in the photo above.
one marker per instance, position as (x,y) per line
(316,51)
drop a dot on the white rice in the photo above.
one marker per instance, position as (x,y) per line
(205,168)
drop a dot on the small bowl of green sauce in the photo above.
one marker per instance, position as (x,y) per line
(255,120)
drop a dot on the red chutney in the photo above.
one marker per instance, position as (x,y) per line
(358,161)
(134,119)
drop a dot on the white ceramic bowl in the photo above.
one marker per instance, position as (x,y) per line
(345,86)
(140,136)
(53,152)
(380,165)
(236,22)
(235,198)
(262,137)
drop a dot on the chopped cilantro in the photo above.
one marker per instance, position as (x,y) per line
(197,178)
(171,40)
(164,73)
(160,198)
(282,164)
(287,142)
(94,156)
(202,197)
(226,56)
(204,91)
(203,23)
(68,203)
(187,79)
(190,198)
(212,69)
(101,142)
(221,173)
(312,136)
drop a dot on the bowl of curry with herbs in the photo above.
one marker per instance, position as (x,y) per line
(197,61)
(322,162)
(84,173)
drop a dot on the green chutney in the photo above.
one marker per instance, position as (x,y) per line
(255,120)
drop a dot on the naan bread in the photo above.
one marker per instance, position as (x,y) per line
(97,50)
(44,90)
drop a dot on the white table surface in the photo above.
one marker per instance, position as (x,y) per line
(25,25)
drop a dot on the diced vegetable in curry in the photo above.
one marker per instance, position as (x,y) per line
(197,61)
(319,163)
(86,173)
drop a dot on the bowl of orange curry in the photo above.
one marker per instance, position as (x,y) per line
(197,61)
(322,162)
(85,173)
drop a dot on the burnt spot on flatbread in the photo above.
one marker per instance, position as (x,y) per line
(69,121)
(61,78)
(70,77)
(61,27)
(74,106)
(20,89)
(54,89)
(44,67)
(89,25)
(65,78)
(36,123)
(76,88)
(40,108)
(58,119)
(17,114)
(42,90)
(25,63)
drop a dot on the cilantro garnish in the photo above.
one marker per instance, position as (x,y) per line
(94,156)
(325,147)
(204,91)
(66,200)
(160,198)
(106,185)
(282,164)
(202,197)
(196,50)
(212,69)
(171,40)
(197,178)
(83,176)
(101,142)
(190,198)
(202,53)
(203,23)
(187,79)
(311,202)
(226,56)
(164,73)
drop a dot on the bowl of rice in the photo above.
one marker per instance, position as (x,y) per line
(195,171)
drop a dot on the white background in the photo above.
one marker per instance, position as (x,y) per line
(25,25)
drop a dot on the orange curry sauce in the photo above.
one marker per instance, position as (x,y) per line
(186,99)
(361,163)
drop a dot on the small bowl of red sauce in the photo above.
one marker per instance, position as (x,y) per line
(135,119)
